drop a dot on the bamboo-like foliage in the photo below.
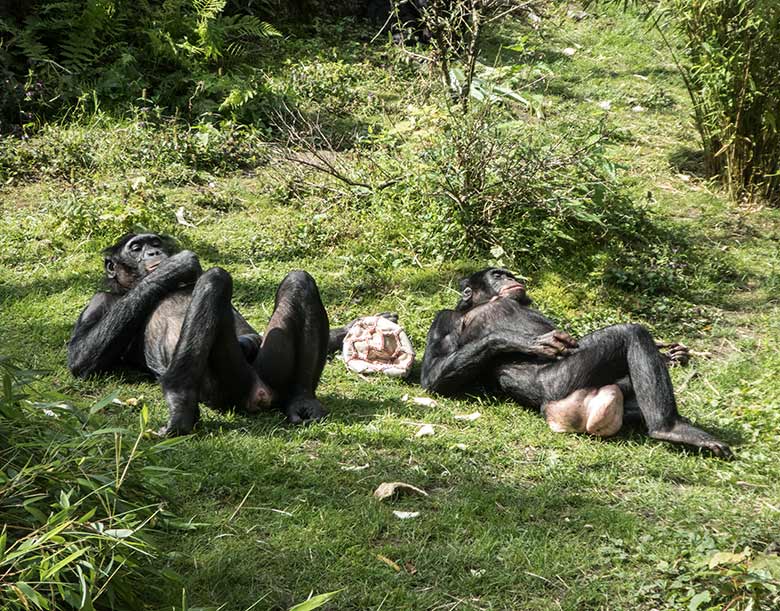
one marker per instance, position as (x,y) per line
(733,48)
(730,67)
(75,505)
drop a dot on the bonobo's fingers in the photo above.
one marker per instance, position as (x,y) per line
(301,410)
(564,337)
(554,344)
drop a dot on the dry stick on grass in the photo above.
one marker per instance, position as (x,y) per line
(319,152)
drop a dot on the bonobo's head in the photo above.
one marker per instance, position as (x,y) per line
(133,257)
(488,284)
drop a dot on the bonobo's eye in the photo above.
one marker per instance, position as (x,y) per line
(467,293)
(156,243)
(135,247)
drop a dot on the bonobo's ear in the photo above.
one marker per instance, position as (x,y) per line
(466,293)
(110,267)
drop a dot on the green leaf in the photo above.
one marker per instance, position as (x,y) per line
(698,600)
(315,602)
(119,533)
(30,595)
(63,563)
(727,558)
(109,398)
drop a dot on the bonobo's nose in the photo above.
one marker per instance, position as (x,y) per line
(151,252)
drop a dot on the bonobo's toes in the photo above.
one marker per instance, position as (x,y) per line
(719,449)
(304,409)
(685,433)
(173,429)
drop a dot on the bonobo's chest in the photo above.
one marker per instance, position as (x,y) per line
(163,329)
(506,315)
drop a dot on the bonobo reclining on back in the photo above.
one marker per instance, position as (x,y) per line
(495,339)
(163,314)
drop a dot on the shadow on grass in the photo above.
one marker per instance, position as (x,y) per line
(689,161)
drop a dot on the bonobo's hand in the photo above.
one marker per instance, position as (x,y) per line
(674,353)
(554,345)
(181,269)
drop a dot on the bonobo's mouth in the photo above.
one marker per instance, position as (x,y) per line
(511,289)
(153,265)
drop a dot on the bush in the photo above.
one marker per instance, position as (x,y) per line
(77,507)
(734,50)
(529,194)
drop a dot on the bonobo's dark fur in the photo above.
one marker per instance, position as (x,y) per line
(495,339)
(164,315)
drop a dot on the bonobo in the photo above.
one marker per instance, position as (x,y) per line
(163,314)
(494,339)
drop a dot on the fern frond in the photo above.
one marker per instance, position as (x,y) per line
(209,9)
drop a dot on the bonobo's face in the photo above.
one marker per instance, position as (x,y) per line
(489,284)
(134,257)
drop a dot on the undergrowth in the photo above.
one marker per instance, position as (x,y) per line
(78,503)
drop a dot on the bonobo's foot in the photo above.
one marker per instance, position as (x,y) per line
(250,345)
(675,353)
(260,397)
(685,433)
(183,413)
(304,409)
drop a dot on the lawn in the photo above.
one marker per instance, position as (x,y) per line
(516,517)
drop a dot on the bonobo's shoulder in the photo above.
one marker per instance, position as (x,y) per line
(102,299)
(445,317)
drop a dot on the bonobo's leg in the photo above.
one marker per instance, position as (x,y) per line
(295,347)
(208,344)
(624,355)
(596,411)
(608,355)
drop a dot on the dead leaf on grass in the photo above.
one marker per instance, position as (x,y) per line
(387,489)
(389,562)
(406,515)
(468,417)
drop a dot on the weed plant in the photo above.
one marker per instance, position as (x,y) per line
(77,504)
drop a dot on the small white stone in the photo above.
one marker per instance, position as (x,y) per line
(569,51)
(426,430)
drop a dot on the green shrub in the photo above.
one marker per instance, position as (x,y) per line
(733,47)
(168,151)
(193,55)
(77,504)
(732,50)
(526,192)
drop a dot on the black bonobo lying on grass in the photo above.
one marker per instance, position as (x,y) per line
(165,315)
(618,375)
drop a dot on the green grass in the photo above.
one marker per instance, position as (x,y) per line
(517,517)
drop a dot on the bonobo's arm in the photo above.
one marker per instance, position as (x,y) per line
(449,367)
(108,324)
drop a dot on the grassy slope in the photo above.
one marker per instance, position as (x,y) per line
(517,517)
